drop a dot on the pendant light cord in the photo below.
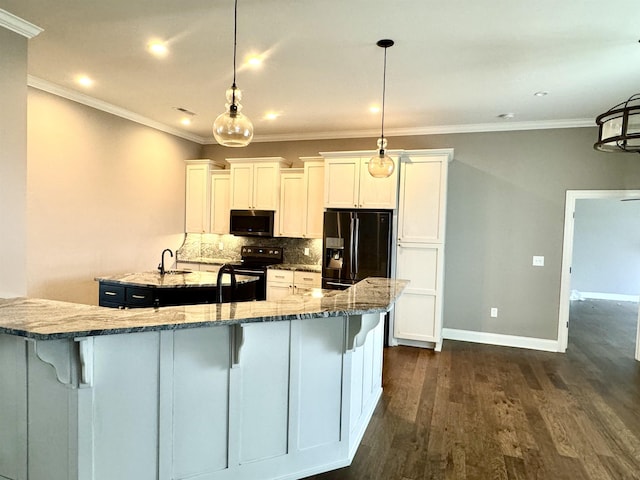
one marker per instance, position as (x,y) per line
(235,38)
(384,88)
(235,46)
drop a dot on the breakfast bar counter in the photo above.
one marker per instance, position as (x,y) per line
(249,390)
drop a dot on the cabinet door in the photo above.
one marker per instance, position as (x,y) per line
(421,212)
(220,205)
(314,183)
(341,179)
(292,205)
(417,312)
(266,182)
(197,199)
(378,192)
(241,186)
(276,291)
(279,284)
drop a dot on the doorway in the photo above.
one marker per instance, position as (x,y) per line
(572,197)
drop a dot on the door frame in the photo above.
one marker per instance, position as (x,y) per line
(567,257)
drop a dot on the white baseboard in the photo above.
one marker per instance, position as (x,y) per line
(610,296)
(500,339)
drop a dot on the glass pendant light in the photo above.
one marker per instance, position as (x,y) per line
(381,165)
(232,128)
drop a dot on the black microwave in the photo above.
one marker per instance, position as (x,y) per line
(252,223)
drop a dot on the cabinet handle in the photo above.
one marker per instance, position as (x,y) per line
(139,297)
(113,294)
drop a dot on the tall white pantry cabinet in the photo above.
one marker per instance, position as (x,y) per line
(420,246)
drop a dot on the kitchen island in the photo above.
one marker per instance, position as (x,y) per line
(248,390)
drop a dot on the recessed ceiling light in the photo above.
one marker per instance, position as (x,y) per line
(271,115)
(374,109)
(506,116)
(158,48)
(254,60)
(84,80)
(541,93)
(186,121)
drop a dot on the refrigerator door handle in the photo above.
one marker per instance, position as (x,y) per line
(351,247)
(356,242)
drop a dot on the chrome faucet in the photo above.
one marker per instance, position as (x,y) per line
(226,268)
(161,268)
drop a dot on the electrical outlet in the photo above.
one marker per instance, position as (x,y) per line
(306,251)
(494,312)
(220,246)
(538,261)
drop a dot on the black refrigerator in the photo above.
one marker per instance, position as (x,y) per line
(356,244)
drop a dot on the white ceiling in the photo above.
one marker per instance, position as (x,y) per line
(456,64)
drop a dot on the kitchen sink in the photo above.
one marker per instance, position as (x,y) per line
(177,272)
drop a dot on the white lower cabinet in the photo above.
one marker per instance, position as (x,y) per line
(304,282)
(281,283)
(418,311)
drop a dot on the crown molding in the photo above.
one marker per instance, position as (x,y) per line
(18,25)
(434,130)
(89,101)
(92,102)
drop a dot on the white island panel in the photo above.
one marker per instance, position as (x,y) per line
(125,406)
(264,402)
(321,346)
(200,408)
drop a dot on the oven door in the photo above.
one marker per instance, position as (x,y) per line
(261,284)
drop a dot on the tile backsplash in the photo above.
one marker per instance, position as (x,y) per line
(209,246)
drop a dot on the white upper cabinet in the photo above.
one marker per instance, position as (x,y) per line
(423,184)
(301,200)
(292,205)
(255,183)
(197,194)
(348,184)
(314,196)
(220,183)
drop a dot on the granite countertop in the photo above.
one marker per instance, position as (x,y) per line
(48,319)
(297,267)
(174,280)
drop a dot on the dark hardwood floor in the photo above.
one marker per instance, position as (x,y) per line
(483,412)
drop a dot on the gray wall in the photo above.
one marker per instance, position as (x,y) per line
(606,247)
(106,196)
(505,204)
(13,163)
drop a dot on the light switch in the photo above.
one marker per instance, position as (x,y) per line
(538,261)
(494,312)
(306,251)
